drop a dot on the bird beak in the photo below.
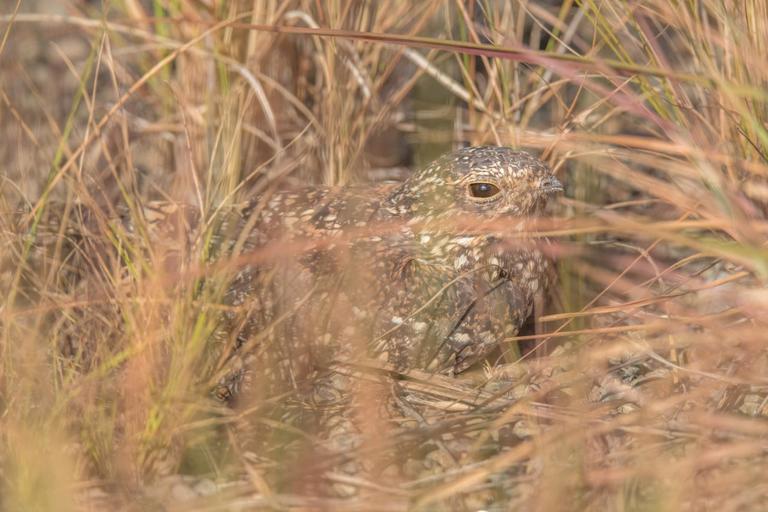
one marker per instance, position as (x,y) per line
(551,185)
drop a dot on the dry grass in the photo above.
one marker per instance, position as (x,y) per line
(652,394)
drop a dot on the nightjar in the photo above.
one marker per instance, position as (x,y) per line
(431,274)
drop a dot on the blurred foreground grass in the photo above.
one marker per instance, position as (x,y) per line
(652,393)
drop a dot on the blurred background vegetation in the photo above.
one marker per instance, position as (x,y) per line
(652,393)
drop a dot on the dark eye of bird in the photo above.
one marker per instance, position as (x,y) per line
(483,190)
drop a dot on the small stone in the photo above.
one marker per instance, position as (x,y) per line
(524,429)
(205,487)
(750,405)
(182,492)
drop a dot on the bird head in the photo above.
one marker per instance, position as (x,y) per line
(481,181)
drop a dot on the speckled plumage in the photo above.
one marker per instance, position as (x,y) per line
(422,273)
(409,270)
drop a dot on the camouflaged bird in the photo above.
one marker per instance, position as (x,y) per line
(428,273)
(432,273)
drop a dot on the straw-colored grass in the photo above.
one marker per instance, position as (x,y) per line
(649,391)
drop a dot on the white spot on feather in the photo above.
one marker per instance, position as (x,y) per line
(462,337)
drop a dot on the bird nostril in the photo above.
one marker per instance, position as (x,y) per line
(551,185)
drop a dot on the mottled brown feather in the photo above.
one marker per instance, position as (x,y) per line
(408,269)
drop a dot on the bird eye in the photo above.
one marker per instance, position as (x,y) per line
(483,190)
